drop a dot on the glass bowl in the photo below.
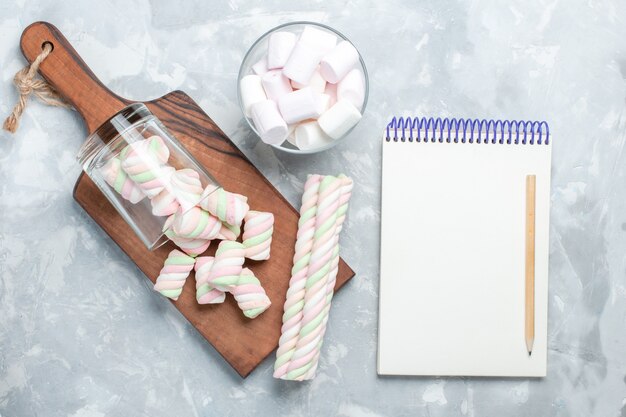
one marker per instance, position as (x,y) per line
(258,50)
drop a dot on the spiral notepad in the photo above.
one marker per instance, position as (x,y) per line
(452,279)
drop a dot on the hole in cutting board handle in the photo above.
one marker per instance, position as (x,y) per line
(47,43)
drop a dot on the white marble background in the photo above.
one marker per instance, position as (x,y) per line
(81,331)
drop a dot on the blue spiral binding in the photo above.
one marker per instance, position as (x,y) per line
(468,131)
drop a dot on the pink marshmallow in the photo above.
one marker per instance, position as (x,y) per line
(275,84)
(320,39)
(339,62)
(251,90)
(302,63)
(269,123)
(331,91)
(260,67)
(309,135)
(279,48)
(299,105)
(352,88)
(317,83)
(323,103)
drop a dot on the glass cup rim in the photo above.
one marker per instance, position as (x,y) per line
(252,48)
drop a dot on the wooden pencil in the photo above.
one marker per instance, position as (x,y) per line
(530,262)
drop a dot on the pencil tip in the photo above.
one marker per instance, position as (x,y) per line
(530,352)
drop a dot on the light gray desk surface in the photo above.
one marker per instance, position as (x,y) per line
(82,333)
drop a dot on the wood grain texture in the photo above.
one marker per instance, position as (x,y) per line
(242,342)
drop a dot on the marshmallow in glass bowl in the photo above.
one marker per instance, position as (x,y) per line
(302,87)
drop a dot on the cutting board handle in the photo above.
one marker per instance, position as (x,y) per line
(68,73)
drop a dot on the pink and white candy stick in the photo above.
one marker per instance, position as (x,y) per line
(321,274)
(205,293)
(344,199)
(173,274)
(257,235)
(230,208)
(117,178)
(292,316)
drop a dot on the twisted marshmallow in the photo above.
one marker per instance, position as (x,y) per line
(118,180)
(154,145)
(257,235)
(227,274)
(324,243)
(250,295)
(229,258)
(147,172)
(192,247)
(182,190)
(228,232)
(205,293)
(297,359)
(196,223)
(229,207)
(344,199)
(186,187)
(292,315)
(173,274)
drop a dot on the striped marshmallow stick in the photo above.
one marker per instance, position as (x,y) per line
(257,235)
(228,207)
(344,199)
(294,302)
(250,295)
(117,178)
(206,293)
(173,274)
(317,279)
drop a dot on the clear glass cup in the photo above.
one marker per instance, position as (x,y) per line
(107,154)
(258,50)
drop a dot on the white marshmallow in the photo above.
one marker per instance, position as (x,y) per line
(260,67)
(323,103)
(275,84)
(317,83)
(320,39)
(302,63)
(309,135)
(268,122)
(291,134)
(299,105)
(340,118)
(339,62)
(251,91)
(331,90)
(279,48)
(352,88)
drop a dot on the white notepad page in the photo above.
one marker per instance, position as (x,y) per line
(452,273)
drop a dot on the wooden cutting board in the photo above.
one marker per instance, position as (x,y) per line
(242,342)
